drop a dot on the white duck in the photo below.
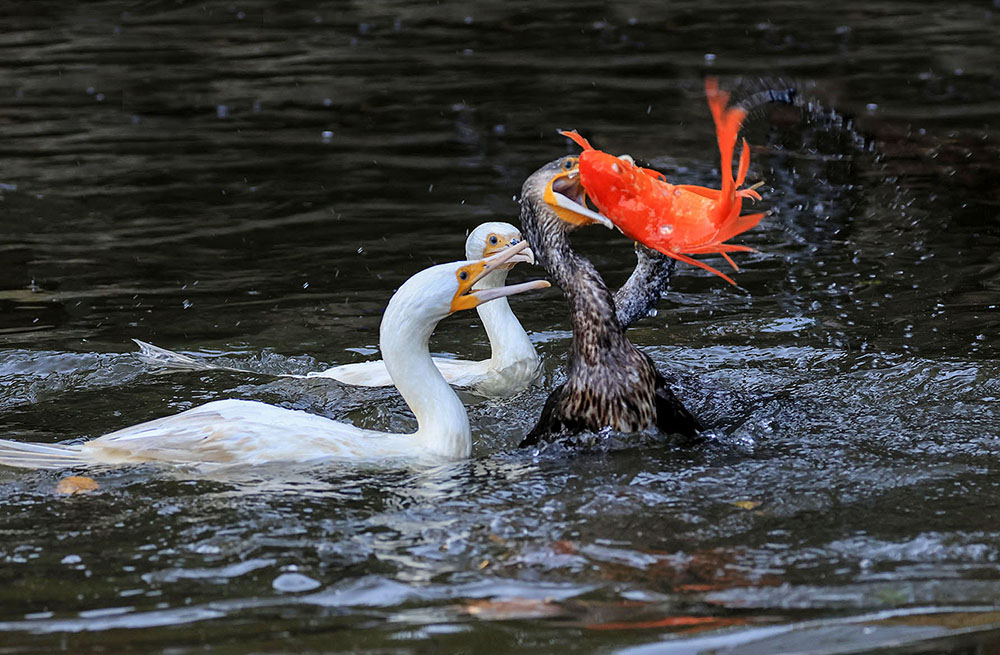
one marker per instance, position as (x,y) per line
(512,366)
(235,432)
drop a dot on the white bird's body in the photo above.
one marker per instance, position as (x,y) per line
(512,366)
(241,432)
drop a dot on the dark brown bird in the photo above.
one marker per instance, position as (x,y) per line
(610,383)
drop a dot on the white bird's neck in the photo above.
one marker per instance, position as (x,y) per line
(508,340)
(442,423)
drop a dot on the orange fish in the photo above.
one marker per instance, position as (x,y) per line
(677,220)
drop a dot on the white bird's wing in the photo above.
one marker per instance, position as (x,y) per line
(362,374)
(458,373)
(230,432)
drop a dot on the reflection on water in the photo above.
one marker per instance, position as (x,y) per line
(250,183)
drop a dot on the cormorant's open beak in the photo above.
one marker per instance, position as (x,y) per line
(568,199)
(468,275)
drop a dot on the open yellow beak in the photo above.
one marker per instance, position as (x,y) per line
(568,199)
(468,275)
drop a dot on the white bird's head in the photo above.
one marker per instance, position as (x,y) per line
(493,237)
(438,291)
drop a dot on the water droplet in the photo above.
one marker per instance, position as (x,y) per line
(294,582)
(709,58)
(222,111)
(305,285)
(666,229)
(187,304)
(71,559)
(327,135)
(652,312)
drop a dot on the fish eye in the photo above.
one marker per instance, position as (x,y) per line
(493,240)
(568,163)
(463,275)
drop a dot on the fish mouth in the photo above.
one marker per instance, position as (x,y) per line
(466,297)
(566,196)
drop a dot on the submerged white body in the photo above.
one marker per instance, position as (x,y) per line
(234,432)
(513,364)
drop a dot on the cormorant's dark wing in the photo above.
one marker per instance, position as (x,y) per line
(549,423)
(672,417)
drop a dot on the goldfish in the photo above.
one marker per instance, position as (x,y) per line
(678,220)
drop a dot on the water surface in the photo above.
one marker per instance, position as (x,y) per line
(250,183)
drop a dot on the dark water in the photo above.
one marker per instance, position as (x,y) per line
(252,182)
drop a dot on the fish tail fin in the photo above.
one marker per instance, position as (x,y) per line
(728,121)
(741,176)
(29,455)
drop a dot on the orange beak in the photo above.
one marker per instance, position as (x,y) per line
(468,275)
(567,198)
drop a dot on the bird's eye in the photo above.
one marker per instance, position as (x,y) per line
(493,240)
(463,276)
(568,163)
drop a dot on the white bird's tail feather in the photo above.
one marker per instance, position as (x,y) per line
(174,361)
(28,455)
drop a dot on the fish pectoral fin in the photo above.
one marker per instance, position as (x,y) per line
(700,264)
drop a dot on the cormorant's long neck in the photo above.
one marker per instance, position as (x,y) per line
(509,342)
(643,289)
(596,330)
(442,423)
